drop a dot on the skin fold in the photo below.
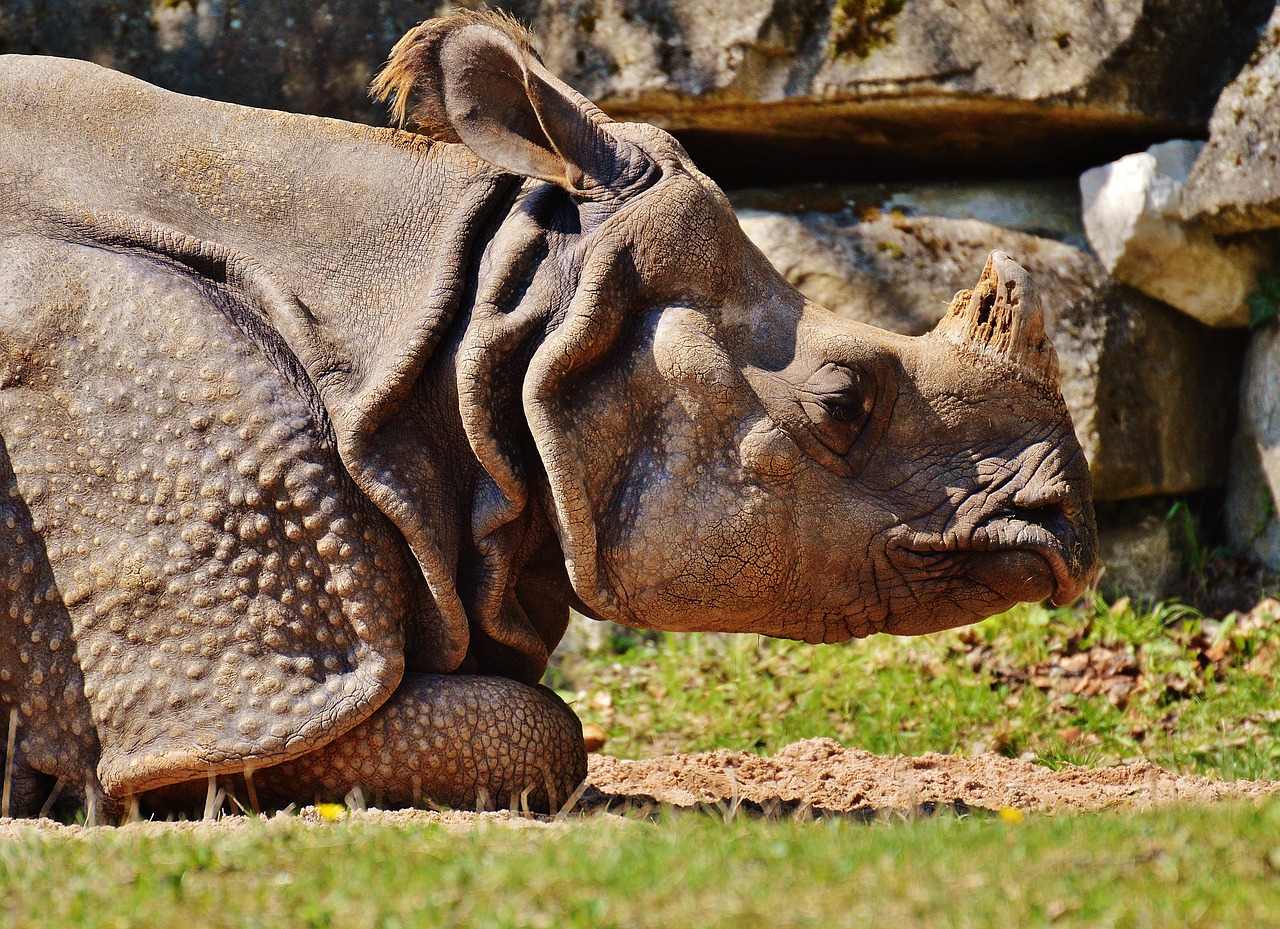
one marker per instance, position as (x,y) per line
(312,434)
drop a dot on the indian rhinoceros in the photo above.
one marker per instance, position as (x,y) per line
(312,434)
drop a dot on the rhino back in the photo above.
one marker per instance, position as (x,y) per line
(354,219)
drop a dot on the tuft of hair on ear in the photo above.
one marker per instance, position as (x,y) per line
(410,80)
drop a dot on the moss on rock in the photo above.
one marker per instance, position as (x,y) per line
(859,27)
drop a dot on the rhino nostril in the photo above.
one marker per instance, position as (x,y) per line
(1051,514)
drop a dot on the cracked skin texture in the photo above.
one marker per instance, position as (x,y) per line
(311,434)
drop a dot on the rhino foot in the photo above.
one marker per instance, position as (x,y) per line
(455,741)
(24,791)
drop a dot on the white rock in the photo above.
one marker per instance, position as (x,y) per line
(1130,217)
(1233,185)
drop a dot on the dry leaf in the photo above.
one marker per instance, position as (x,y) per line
(594,736)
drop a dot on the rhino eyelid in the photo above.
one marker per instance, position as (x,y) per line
(840,421)
(847,407)
(849,403)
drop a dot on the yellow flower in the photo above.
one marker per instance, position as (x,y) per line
(335,811)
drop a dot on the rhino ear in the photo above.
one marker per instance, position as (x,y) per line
(475,78)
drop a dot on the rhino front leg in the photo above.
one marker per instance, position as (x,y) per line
(458,741)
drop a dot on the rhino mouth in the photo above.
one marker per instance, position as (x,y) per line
(1019,560)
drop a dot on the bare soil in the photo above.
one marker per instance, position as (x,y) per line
(822,775)
(816,777)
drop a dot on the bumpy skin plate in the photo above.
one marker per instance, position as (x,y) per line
(461,741)
(190,576)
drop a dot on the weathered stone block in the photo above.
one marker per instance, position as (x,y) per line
(1048,207)
(1150,390)
(1235,184)
(1138,551)
(1253,487)
(756,88)
(1130,215)
(826,88)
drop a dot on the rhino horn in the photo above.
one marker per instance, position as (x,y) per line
(1003,316)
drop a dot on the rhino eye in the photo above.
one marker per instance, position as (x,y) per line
(838,404)
(845,408)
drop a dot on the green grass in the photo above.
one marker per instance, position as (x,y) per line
(1183,867)
(1190,694)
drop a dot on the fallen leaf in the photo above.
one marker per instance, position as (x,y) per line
(1074,664)
(1262,663)
(594,736)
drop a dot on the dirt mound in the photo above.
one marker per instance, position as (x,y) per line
(821,774)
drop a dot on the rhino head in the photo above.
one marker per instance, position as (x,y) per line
(714,451)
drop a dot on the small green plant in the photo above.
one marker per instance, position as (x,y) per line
(1195,554)
(1264,303)
(859,27)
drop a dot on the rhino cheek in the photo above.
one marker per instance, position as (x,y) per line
(824,530)
(710,554)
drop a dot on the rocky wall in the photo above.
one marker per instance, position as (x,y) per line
(759,90)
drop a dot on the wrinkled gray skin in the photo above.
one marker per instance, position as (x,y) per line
(311,434)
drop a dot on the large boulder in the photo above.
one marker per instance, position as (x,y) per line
(1235,183)
(1139,551)
(1254,485)
(856,87)
(1044,206)
(280,54)
(296,55)
(1149,389)
(757,88)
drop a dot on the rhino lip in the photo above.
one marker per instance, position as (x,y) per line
(1010,537)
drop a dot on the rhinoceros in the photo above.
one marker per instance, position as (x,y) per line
(312,434)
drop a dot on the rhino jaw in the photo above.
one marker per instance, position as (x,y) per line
(1022,553)
(1037,554)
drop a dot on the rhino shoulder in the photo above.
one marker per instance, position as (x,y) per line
(177,510)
